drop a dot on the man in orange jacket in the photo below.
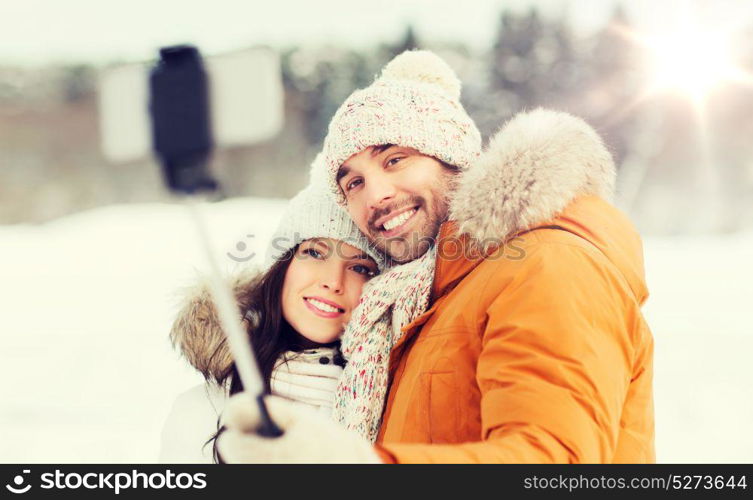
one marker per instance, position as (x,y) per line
(533,348)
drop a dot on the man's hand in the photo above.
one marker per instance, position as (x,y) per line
(309,437)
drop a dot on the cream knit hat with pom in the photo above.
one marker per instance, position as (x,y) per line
(414,103)
(313,214)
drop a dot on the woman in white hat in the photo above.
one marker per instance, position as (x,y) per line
(294,312)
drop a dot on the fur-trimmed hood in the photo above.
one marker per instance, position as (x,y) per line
(197,331)
(532,170)
(531,174)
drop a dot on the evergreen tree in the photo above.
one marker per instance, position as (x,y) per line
(533,62)
(612,83)
(409,41)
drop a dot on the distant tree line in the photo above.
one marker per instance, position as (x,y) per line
(51,163)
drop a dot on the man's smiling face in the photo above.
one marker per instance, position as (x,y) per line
(397,197)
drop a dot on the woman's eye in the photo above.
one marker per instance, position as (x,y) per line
(313,252)
(365,270)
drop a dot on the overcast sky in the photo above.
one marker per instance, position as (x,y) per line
(41,31)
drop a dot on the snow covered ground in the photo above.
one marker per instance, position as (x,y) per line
(86,302)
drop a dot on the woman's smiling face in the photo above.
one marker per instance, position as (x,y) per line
(322,287)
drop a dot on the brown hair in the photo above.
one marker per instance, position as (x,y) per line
(270,334)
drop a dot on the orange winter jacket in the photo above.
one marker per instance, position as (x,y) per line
(537,353)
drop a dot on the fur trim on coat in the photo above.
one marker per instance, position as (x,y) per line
(197,331)
(532,169)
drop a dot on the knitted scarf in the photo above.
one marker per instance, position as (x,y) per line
(388,303)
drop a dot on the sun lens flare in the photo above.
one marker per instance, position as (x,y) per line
(689,59)
(693,63)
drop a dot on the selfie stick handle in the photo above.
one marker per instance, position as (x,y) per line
(240,346)
(179,107)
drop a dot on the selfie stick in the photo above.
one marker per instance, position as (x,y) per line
(182,140)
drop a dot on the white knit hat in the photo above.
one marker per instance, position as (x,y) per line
(414,103)
(312,213)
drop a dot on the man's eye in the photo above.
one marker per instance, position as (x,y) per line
(350,185)
(394,160)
